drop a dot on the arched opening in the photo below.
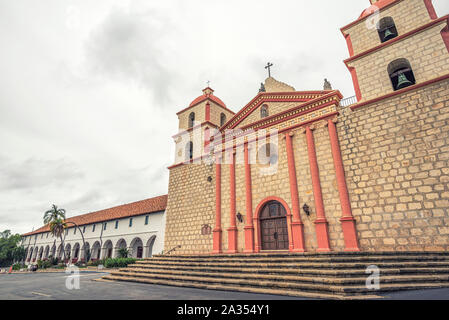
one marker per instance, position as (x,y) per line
(30,256)
(68,251)
(386,29)
(53,251)
(191,119)
(76,252)
(60,252)
(121,244)
(107,249)
(96,251)
(401,74)
(46,252)
(189,150)
(273,226)
(85,252)
(136,248)
(222,119)
(149,250)
(264,111)
(41,252)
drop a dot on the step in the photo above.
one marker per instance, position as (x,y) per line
(289,278)
(370,259)
(307,255)
(342,265)
(358,292)
(299,271)
(222,287)
(278,283)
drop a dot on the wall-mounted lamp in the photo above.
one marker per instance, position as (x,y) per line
(239,217)
(306,209)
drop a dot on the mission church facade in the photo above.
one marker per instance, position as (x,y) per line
(300,171)
(372,176)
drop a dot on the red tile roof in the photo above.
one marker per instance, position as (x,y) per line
(126,210)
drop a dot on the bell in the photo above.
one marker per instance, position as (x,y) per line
(388,34)
(403,81)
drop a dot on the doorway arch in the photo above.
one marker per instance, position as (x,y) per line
(272,223)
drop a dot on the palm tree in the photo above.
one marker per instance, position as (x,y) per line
(55,219)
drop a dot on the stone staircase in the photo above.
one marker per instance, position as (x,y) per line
(325,275)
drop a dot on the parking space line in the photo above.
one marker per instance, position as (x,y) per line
(41,294)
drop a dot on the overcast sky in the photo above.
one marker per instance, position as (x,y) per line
(89,90)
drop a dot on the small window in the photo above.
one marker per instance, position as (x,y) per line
(386,29)
(268,154)
(84,229)
(42,236)
(93,228)
(66,231)
(146,220)
(47,235)
(189,150)
(191,119)
(116,224)
(222,119)
(74,230)
(130,222)
(264,111)
(105,225)
(401,74)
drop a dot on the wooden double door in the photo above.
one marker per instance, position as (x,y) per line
(273,226)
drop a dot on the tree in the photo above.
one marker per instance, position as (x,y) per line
(55,219)
(10,249)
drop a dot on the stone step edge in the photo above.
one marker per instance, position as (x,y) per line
(309,279)
(308,259)
(306,264)
(290,293)
(335,289)
(343,273)
(317,254)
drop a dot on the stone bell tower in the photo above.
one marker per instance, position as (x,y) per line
(395,139)
(191,190)
(395,44)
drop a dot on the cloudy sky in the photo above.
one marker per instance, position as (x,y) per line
(89,90)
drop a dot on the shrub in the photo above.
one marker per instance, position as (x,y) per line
(17,266)
(43,264)
(118,262)
(123,253)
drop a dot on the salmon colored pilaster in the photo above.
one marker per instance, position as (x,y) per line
(297,227)
(321,226)
(232,230)
(249,228)
(207,111)
(355,82)
(206,140)
(430,8)
(217,231)
(347,220)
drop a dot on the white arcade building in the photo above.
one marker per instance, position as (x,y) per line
(137,226)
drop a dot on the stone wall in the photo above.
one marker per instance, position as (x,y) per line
(190,205)
(396,159)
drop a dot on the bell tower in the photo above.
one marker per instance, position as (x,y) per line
(197,124)
(395,44)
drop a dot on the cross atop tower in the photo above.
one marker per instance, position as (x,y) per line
(268,66)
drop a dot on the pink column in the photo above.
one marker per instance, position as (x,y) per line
(232,230)
(297,227)
(321,228)
(249,228)
(347,220)
(217,231)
